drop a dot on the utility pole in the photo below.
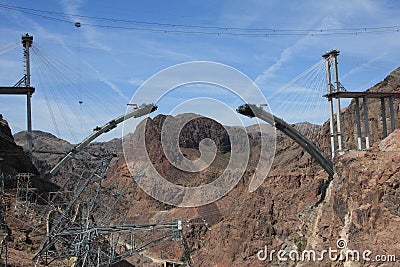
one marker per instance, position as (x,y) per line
(27,41)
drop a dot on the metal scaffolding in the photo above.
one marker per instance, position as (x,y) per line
(92,229)
(26,194)
(5,230)
(331,59)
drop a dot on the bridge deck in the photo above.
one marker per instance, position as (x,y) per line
(4,90)
(362,94)
(251,110)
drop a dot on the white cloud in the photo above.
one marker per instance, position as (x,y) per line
(284,57)
(135,81)
(113,86)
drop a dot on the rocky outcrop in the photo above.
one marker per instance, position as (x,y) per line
(362,204)
(13,159)
(48,149)
(19,212)
(241,222)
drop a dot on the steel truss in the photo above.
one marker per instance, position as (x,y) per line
(92,229)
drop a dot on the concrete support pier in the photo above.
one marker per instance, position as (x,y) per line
(358,122)
(366,122)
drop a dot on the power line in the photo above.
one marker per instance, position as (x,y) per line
(170,28)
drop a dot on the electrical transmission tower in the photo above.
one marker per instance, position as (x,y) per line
(92,228)
(4,229)
(26,194)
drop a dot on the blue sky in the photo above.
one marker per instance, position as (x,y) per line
(104,66)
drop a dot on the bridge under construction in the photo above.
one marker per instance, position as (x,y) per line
(74,237)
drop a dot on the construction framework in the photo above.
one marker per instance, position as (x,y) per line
(4,229)
(384,98)
(136,113)
(23,87)
(252,110)
(338,92)
(92,227)
(329,57)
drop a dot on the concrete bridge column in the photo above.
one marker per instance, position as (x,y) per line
(366,122)
(359,142)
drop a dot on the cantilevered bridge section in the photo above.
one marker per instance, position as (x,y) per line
(136,113)
(251,110)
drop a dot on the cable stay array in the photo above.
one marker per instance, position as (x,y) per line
(67,98)
(300,102)
(9,47)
